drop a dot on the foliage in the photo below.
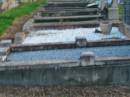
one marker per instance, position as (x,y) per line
(121,10)
(7,17)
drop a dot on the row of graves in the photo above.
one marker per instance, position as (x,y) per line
(69,42)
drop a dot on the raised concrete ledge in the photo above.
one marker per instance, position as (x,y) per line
(4,50)
(55,64)
(37,64)
(68,9)
(71,24)
(66,4)
(5,43)
(63,25)
(49,46)
(40,19)
(113,60)
(65,72)
(61,8)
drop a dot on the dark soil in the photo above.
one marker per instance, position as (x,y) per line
(63,91)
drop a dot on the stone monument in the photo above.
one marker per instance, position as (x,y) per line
(103,4)
(104,8)
(113,11)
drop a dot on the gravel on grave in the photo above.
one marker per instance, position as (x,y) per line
(65,91)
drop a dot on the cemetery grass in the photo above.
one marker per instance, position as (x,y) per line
(7,17)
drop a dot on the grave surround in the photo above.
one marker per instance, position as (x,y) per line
(88,69)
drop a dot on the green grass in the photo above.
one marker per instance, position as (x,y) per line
(121,10)
(7,17)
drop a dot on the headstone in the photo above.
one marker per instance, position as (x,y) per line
(115,4)
(113,11)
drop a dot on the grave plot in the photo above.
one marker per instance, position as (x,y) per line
(67,14)
(69,43)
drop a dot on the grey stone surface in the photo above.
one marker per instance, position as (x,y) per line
(103,4)
(113,14)
(4,51)
(125,28)
(19,36)
(81,41)
(106,27)
(87,58)
(113,11)
(5,43)
(114,3)
(70,54)
(88,75)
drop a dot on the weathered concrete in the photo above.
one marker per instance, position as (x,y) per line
(5,43)
(125,29)
(49,46)
(67,4)
(87,58)
(81,42)
(4,51)
(113,14)
(66,18)
(68,12)
(57,1)
(113,11)
(64,25)
(65,73)
(70,54)
(70,24)
(68,9)
(106,27)
(19,36)
(89,70)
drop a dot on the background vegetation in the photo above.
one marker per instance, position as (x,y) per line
(121,11)
(7,17)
